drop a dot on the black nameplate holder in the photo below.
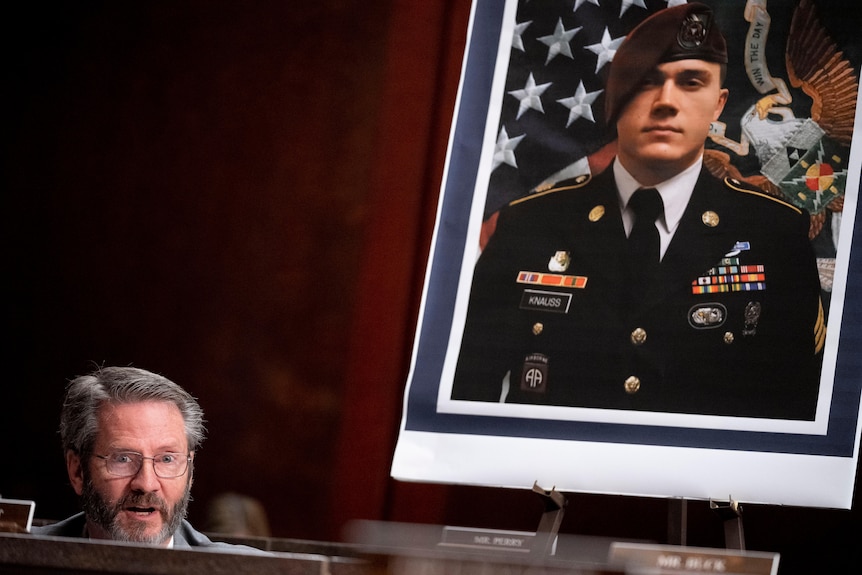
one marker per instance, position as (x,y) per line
(541,543)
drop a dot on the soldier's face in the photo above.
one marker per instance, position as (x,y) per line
(662,129)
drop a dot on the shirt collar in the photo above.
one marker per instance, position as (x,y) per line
(675,192)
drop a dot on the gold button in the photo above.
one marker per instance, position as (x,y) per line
(709,218)
(537,328)
(633,384)
(596,213)
(638,336)
(728,337)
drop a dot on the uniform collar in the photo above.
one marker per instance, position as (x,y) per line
(675,193)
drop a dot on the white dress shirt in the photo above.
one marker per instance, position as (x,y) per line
(675,194)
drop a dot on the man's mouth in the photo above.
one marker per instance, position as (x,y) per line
(143,506)
(141,510)
(661,129)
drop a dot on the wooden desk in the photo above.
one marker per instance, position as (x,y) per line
(25,554)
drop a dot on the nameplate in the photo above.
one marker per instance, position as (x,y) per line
(538,300)
(16,515)
(676,560)
(512,541)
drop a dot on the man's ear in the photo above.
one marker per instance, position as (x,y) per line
(75,469)
(722,100)
(191,468)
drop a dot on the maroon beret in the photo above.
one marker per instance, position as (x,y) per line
(687,31)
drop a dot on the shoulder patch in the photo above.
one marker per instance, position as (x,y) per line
(569,184)
(746,188)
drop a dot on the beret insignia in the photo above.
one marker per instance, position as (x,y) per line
(693,31)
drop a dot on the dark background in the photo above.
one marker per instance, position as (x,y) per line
(241,196)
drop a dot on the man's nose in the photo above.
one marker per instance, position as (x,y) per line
(146,479)
(666,96)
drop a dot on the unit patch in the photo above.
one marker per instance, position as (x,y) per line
(534,376)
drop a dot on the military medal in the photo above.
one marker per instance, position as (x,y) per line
(730,276)
(557,280)
(737,248)
(707,316)
(752,316)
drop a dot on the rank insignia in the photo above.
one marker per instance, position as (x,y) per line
(560,262)
(534,375)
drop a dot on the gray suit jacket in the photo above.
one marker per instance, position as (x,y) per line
(184,538)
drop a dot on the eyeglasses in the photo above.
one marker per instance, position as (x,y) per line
(128,463)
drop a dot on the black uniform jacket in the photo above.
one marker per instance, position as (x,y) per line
(732,325)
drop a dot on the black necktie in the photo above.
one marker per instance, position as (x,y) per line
(644,244)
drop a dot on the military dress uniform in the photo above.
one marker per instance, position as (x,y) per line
(731,323)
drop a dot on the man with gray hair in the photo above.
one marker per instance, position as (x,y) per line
(129,438)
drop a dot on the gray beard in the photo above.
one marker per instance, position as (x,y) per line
(104,514)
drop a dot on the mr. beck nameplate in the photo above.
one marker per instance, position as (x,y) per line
(676,560)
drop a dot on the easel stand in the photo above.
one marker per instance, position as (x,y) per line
(549,525)
(677,521)
(539,545)
(729,511)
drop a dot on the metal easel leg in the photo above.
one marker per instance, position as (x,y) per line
(731,513)
(677,521)
(549,525)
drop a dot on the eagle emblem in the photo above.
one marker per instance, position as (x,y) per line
(803,160)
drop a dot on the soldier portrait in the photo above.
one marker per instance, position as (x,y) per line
(641,279)
(686,267)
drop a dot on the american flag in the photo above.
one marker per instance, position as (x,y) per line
(552,114)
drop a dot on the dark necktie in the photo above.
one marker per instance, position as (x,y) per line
(644,244)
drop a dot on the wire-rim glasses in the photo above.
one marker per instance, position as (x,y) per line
(128,463)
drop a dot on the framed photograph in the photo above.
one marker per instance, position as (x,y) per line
(749,417)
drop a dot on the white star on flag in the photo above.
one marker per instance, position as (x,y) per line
(578,4)
(504,151)
(530,96)
(629,3)
(580,105)
(517,41)
(606,49)
(558,42)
